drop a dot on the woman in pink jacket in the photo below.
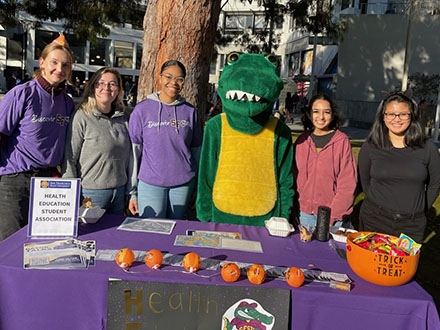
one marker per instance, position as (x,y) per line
(325,171)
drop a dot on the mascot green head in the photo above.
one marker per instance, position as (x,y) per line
(248,87)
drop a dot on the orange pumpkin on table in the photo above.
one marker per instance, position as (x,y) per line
(153,258)
(256,274)
(230,272)
(295,277)
(191,262)
(124,258)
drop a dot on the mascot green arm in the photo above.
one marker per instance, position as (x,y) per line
(284,161)
(208,168)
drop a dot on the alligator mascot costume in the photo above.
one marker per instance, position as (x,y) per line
(245,174)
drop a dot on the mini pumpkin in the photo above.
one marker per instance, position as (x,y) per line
(124,258)
(256,274)
(294,277)
(230,272)
(191,262)
(153,258)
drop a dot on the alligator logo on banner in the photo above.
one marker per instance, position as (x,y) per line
(247,314)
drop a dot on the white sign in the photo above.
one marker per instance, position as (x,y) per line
(53,209)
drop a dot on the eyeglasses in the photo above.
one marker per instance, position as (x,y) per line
(169,77)
(102,85)
(392,116)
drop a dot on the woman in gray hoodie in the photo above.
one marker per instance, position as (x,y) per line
(98,147)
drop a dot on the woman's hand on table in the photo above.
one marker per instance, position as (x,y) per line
(133,207)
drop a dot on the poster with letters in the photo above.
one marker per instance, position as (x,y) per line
(53,207)
(154,305)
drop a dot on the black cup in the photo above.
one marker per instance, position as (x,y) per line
(323,224)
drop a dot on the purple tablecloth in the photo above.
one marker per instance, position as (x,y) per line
(77,299)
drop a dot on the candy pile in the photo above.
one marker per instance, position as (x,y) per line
(381,243)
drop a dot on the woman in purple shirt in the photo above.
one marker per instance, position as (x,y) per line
(33,121)
(166,135)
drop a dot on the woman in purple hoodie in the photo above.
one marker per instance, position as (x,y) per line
(325,171)
(166,135)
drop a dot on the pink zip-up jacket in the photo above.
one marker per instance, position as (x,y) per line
(325,178)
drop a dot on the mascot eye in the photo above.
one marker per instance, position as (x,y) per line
(232,57)
(272,59)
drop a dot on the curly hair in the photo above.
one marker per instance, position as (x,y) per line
(307,122)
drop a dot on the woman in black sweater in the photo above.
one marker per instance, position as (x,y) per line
(399,171)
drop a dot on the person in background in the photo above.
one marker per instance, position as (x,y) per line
(132,94)
(166,136)
(295,101)
(98,147)
(12,81)
(325,167)
(424,114)
(399,170)
(33,122)
(280,115)
(288,107)
(215,109)
(127,87)
(82,86)
(26,78)
(77,85)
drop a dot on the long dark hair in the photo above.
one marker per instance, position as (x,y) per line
(414,135)
(307,122)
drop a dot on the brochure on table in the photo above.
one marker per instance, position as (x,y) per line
(69,253)
(53,209)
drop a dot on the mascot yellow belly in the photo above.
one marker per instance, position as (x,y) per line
(245,182)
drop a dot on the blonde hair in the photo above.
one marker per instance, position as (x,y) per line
(88,103)
(50,48)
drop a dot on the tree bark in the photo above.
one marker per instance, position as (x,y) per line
(182,30)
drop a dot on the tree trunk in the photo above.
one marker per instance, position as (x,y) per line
(182,30)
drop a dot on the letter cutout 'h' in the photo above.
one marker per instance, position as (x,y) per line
(136,301)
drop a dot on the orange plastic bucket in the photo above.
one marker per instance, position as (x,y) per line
(379,268)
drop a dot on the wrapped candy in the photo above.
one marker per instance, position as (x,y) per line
(384,244)
(396,251)
(407,243)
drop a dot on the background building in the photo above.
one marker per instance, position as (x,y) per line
(20,48)
(373,56)
(379,50)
